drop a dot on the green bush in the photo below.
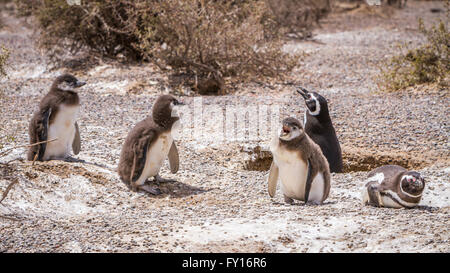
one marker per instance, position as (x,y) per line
(428,63)
(206,39)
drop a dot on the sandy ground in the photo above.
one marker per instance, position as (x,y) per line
(220,202)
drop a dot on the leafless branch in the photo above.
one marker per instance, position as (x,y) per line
(5,152)
(5,193)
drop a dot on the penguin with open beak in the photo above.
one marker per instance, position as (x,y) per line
(299,164)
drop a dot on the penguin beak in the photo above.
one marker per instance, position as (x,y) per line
(302,91)
(79,84)
(177,102)
(286,130)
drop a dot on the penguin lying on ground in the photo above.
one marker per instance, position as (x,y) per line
(393,186)
(300,165)
(147,145)
(56,119)
(320,129)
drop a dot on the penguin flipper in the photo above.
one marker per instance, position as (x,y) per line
(76,145)
(273,179)
(374,194)
(174,159)
(140,150)
(42,133)
(309,181)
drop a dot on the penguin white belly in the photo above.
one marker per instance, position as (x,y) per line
(386,200)
(292,171)
(394,201)
(293,179)
(317,189)
(62,128)
(155,157)
(389,203)
(365,195)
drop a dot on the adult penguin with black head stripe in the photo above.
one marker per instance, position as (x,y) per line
(148,144)
(393,186)
(318,126)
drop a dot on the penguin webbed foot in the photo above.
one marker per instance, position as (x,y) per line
(374,195)
(73,160)
(313,203)
(150,189)
(159,179)
(288,200)
(147,188)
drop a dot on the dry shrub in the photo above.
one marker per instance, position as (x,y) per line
(4,55)
(395,3)
(209,40)
(27,7)
(348,5)
(428,63)
(5,140)
(107,28)
(213,40)
(299,16)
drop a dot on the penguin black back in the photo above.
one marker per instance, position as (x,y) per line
(318,126)
(61,92)
(133,158)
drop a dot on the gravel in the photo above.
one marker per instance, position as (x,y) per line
(218,205)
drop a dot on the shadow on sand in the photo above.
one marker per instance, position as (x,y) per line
(176,189)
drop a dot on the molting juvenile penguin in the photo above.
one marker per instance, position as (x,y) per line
(320,129)
(393,186)
(56,119)
(148,144)
(300,165)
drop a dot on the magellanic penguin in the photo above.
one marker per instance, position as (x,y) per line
(300,165)
(56,118)
(320,129)
(148,144)
(393,186)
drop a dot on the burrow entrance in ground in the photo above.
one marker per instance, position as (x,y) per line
(355,160)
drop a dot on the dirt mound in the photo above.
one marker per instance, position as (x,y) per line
(65,171)
(355,160)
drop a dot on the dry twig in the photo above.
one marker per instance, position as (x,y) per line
(9,218)
(4,153)
(15,181)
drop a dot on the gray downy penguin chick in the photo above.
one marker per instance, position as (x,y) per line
(148,144)
(299,164)
(318,126)
(56,118)
(392,186)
